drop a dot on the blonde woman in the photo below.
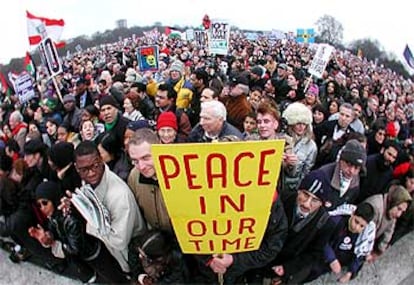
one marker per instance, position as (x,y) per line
(299,121)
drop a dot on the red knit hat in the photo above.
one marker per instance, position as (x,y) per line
(391,130)
(167,119)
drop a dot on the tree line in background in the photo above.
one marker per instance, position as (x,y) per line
(329,30)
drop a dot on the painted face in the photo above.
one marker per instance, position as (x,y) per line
(142,159)
(267,125)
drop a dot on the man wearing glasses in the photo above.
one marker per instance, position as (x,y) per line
(115,195)
(309,231)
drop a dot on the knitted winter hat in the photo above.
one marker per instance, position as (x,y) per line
(167,119)
(297,113)
(108,100)
(177,65)
(354,153)
(49,190)
(312,185)
(313,90)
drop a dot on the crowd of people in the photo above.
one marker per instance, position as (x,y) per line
(345,186)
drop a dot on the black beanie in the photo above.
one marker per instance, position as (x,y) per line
(61,154)
(49,190)
(108,100)
(365,211)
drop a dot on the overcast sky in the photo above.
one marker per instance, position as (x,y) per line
(387,21)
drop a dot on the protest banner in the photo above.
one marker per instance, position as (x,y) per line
(201,38)
(219,37)
(189,34)
(320,60)
(219,195)
(24,87)
(50,57)
(148,58)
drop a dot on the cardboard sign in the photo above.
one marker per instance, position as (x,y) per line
(50,57)
(219,195)
(219,37)
(189,34)
(320,60)
(24,87)
(148,58)
(201,38)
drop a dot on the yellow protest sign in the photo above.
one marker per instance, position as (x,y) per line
(219,195)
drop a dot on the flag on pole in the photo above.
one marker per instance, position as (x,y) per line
(305,35)
(4,86)
(54,29)
(172,33)
(408,55)
(29,65)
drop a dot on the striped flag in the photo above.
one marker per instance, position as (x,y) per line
(54,29)
(29,65)
(4,86)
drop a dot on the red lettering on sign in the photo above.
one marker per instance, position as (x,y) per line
(226,199)
(167,176)
(222,174)
(189,175)
(248,244)
(196,228)
(227,228)
(248,224)
(263,171)
(237,169)
(227,242)
(202,201)
(147,51)
(196,243)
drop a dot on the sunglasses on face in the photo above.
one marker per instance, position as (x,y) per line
(41,203)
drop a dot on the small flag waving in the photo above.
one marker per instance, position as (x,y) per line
(54,29)
(29,65)
(305,36)
(408,55)
(4,86)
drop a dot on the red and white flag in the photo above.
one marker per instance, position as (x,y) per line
(54,29)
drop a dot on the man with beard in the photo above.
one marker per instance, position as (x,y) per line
(379,170)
